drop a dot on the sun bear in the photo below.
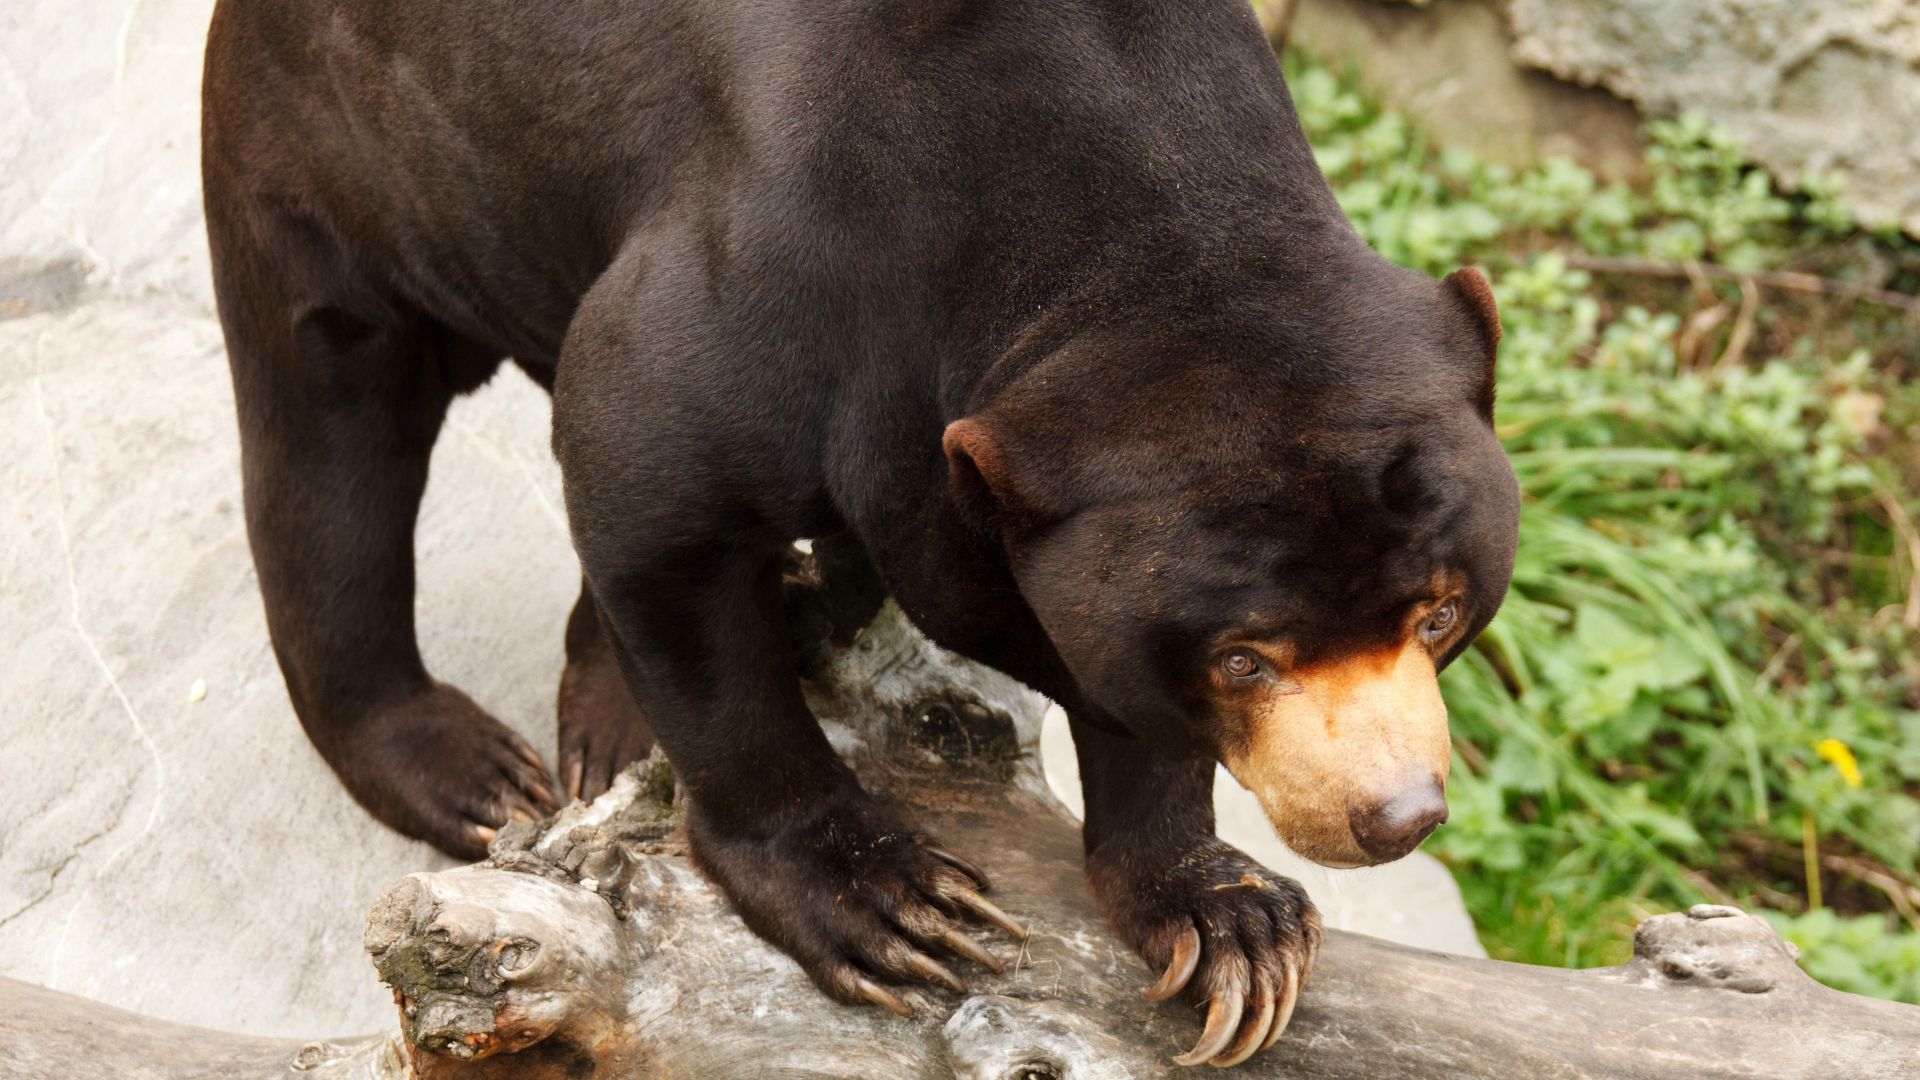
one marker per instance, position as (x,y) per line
(1044,304)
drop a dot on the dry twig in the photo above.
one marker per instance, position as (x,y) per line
(1792,281)
(1909,533)
(1905,896)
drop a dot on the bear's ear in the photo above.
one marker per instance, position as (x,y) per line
(980,475)
(1469,290)
(1469,286)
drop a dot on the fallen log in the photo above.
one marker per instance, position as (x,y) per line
(588,947)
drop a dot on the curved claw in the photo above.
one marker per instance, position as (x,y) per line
(972,950)
(1186,957)
(524,802)
(934,972)
(1223,1018)
(979,876)
(1289,997)
(483,832)
(990,912)
(1253,1034)
(881,996)
(531,756)
(576,773)
(545,795)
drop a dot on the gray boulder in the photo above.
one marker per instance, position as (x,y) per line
(1806,85)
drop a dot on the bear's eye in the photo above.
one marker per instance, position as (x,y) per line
(1240,664)
(1441,620)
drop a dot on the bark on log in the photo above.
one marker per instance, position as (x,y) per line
(587,946)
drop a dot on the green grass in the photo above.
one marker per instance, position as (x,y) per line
(1704,679)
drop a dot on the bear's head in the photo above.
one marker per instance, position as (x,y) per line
(1261,535)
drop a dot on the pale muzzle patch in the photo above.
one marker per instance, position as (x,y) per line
(1338,739)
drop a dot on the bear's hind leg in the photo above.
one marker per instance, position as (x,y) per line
(341,388)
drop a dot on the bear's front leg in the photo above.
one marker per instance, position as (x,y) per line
(850,890)
(686,476)
(1221,929)
(835,877)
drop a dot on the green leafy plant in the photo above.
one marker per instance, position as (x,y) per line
(1703,685)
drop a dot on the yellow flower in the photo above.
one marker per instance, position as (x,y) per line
(1840,756)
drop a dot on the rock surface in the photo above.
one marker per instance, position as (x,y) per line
(1823,86)
(1805,86)
(1447,64)
(169,843)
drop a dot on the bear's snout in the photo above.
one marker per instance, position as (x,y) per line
(1349,757)
(1391,829)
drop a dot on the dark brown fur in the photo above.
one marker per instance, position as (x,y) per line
(765,254)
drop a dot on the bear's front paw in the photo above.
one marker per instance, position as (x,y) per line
(1224,930)
(857,897)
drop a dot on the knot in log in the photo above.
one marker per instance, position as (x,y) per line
(1716,947)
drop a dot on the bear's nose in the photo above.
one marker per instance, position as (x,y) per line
(1390,829)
